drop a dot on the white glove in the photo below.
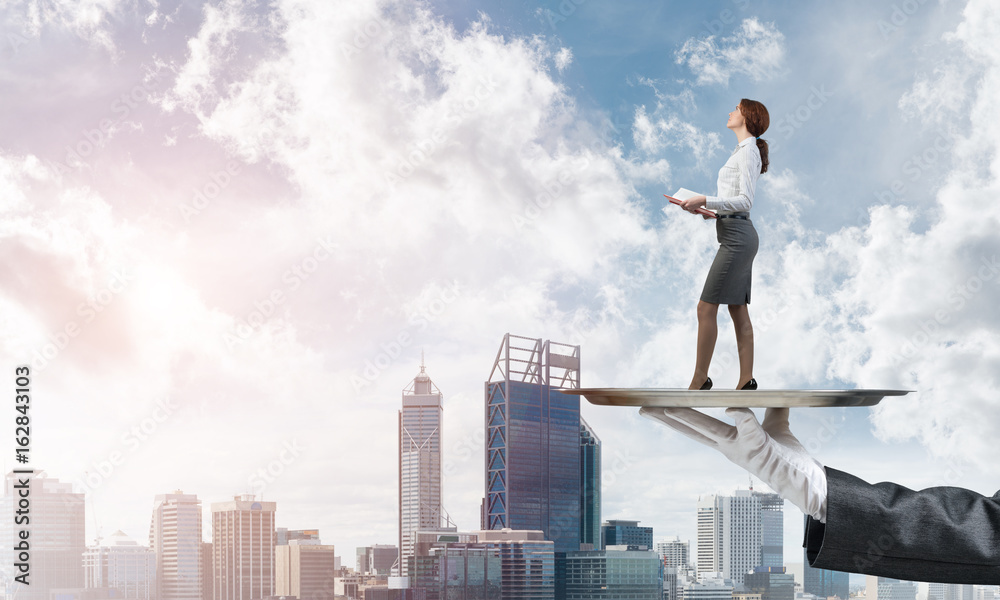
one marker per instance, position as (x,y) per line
(770,451)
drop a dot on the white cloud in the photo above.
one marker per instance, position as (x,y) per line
(756,49)
(563,58)
(90,20)
(465,160)
(654,133)
(937,97)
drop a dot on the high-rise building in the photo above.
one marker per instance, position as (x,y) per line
(56,535)
(527,563)
(304,570)
(533,464)
(590,480)
(123,565)
(612,574)
(626,533)
(175,537)
(207,575)
(458,570)
(772,530)
(984,592)
(243,541)
(503,564)
(887,588)
(673,552)
(957,591)
(772,583)
(824,583)
(420,430)
(729,534)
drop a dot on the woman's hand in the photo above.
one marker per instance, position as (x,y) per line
(693,203)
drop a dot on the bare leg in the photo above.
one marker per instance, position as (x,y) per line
(744,341)
(708,332)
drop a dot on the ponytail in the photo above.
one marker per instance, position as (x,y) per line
(762,147)
(757,121)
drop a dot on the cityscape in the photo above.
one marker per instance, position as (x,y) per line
(541,533)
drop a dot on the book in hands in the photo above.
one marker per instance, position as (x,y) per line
(684,194)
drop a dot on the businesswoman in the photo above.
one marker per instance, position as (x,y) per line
(729,278)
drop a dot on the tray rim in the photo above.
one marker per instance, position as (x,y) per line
(675,397)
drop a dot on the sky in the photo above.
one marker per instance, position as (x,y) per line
(230,230)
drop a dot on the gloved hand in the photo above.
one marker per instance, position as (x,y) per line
(769,451)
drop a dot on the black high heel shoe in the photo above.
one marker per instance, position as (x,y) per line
(750,385)
(707,385)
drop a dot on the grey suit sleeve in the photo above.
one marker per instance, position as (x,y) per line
(944,534)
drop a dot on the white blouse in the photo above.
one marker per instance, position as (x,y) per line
(737,179)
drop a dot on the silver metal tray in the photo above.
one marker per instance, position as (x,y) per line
(727,398)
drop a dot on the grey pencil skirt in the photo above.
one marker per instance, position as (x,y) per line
(729,278)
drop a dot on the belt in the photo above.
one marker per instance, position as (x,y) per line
(744,217)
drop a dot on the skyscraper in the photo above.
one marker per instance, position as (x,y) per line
(420,424)
(590,479)
(772,530)
(887,588)
(824,583)
(243,541)
(56,525)
(533,464)
(730,539)
(124,565)
(175,537)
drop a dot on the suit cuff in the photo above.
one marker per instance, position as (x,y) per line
(813,542)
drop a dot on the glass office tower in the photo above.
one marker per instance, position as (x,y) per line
(533,471)
(590,478)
